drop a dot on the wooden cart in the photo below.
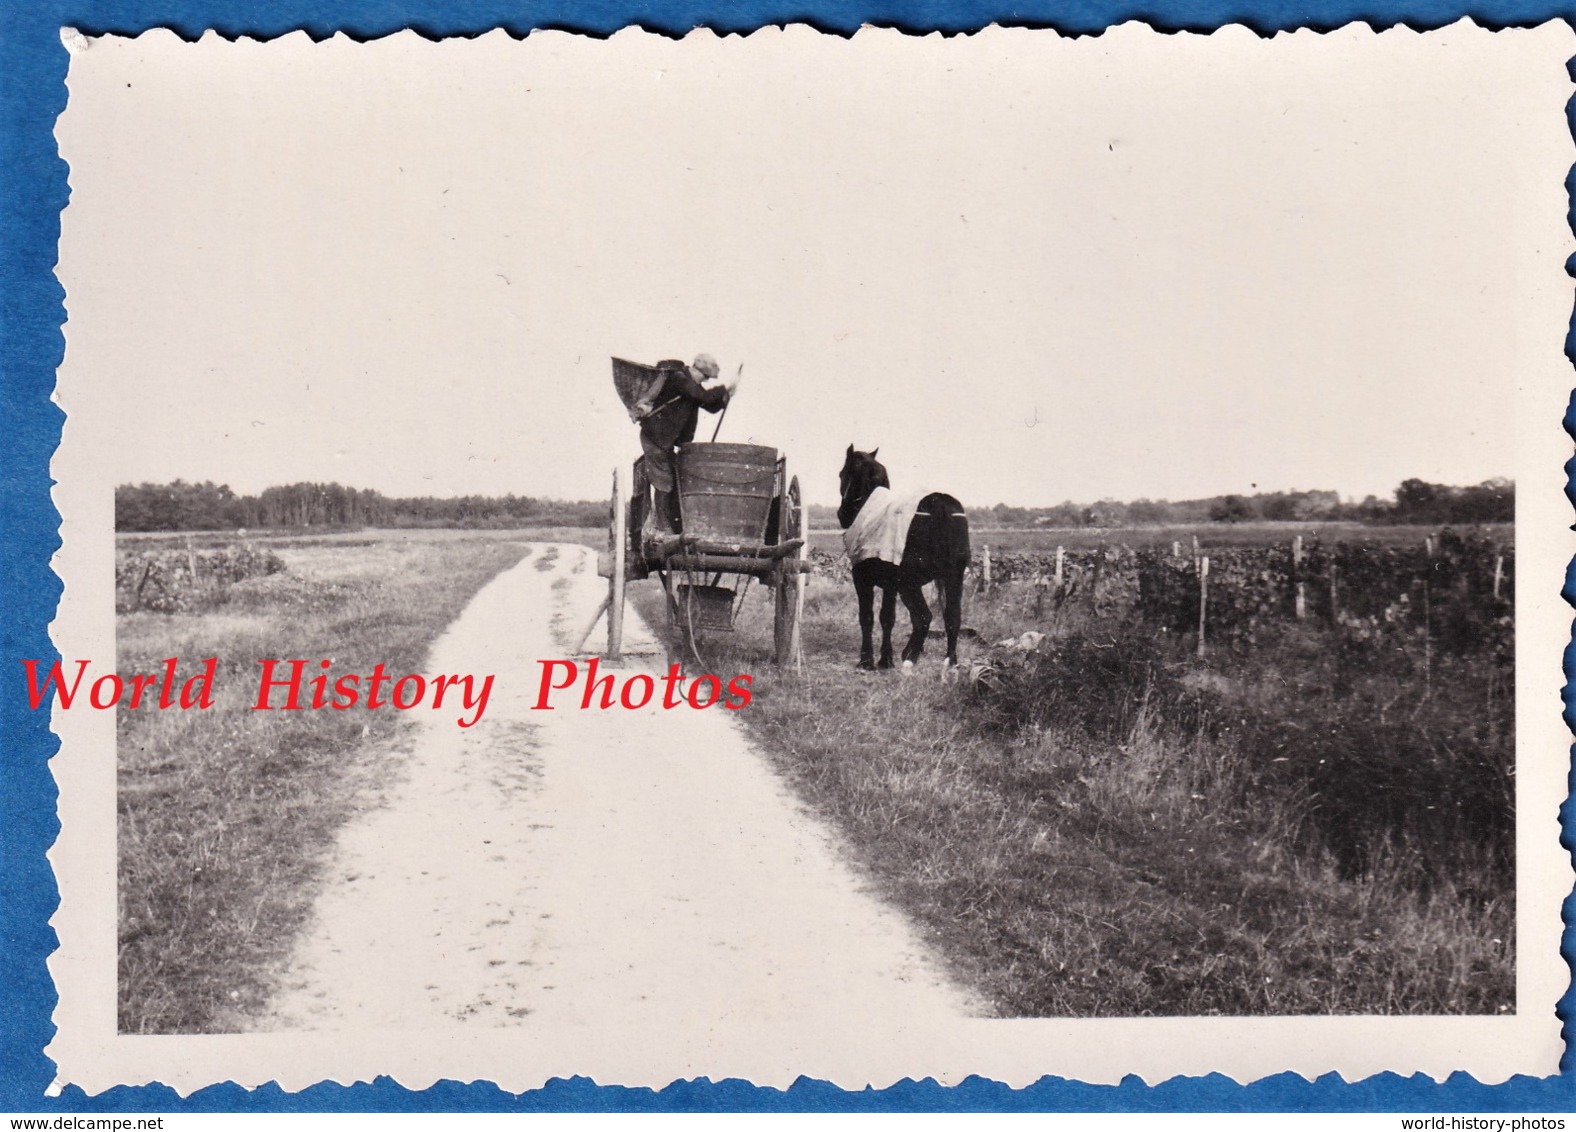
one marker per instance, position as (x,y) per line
(741,518)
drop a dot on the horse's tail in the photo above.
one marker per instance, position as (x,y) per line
(955,554)
(956,528)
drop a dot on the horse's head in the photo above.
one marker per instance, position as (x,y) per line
(862,473)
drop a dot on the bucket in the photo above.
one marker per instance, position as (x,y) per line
(704,607)
(726,491)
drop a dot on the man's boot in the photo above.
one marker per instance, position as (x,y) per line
(663,518)
(668,507)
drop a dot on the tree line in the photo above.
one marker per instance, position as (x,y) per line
(1415,502)
(206,506)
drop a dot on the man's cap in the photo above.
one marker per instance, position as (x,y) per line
(706,364)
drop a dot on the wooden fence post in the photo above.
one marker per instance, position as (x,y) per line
(1203,600)
(1499,573)
(1428,633)
(1335,593)
(1195,550)
(1176,549)
(1302,593)
(1061,557)
(191,559)
(985,570)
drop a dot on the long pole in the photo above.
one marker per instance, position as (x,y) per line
(607,600)
(724,415)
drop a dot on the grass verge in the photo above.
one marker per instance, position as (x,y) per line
(1123,860)
(226,815)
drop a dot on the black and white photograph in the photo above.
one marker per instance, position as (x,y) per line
(865,557)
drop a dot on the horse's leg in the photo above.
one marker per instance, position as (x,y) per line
(888,619)
(865,588)
(919,618)
(952,612)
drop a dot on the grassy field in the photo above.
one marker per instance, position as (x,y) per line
(1109,826)
(1106,826)
(225,815)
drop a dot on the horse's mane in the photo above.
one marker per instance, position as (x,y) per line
(862,473)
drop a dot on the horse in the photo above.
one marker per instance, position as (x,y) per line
(936,549)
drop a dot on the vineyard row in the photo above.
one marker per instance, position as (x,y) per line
(1457,587)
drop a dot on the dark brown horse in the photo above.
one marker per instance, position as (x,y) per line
(935,550)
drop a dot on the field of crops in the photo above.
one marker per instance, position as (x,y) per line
(1210,536)
(1450,590)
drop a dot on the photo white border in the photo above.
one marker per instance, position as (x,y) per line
(90,1054)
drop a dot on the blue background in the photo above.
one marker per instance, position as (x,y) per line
(33,191)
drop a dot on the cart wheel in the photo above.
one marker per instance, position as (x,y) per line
(789,582)
(617,544)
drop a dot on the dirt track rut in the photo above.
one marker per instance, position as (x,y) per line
(590,867)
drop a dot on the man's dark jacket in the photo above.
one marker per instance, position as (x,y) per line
(672,422)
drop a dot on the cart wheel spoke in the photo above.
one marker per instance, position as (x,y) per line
(788,581)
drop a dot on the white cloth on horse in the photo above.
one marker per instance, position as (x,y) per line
(881,527)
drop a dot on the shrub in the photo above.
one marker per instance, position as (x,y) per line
(185,580)
(1374,760)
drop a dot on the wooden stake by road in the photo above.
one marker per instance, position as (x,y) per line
(1061,557)
(1203,600)
(1428,637)
(985,569)
(1302,595)
(1499,573)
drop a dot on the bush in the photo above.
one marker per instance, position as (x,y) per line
(1374,760)
(185,580)
(1099,688)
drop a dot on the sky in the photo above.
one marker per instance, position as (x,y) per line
(1028,269)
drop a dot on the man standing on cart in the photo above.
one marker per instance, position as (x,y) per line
(667,416)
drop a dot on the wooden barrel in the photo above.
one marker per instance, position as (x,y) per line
(726,490)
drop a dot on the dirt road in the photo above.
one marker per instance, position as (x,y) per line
(590,867)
